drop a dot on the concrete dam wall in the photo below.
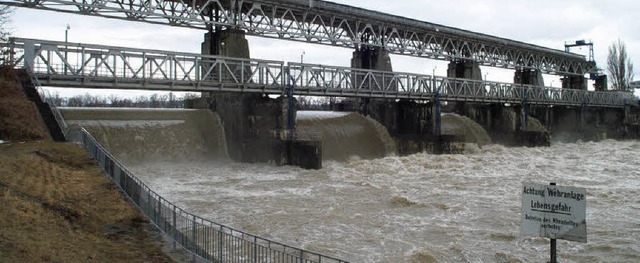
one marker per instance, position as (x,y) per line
(143,135)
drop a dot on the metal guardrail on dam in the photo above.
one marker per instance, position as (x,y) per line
(207,241)
(322,22)
(63,64)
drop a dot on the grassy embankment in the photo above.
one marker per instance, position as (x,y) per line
(55,203)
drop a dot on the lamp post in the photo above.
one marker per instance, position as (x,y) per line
(302,57)
(66,40)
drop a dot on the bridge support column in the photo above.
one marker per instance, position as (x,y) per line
(374,58)
(413,125)
(631,119)
(544,114)
(528,77)
(601,83)
(509,125)
(464,69)
(532,131)
(586,123)
(226,43)
(410,123)
(574,82)
(257,128)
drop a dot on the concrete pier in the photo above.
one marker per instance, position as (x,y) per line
(464,69)
(509,125)
(588,124)
(528,77)
(257,128)
(227,43)
(410,123)
(413,126)
(601,83)
(574,82)
(374,58)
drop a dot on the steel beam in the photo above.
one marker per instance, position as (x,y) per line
(328,23)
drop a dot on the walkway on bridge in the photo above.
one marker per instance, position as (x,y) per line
(60,64)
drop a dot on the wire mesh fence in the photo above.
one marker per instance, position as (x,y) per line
(207,241)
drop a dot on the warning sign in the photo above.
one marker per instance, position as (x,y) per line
(554,212)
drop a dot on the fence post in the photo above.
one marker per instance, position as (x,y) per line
(159,213)
(237,247)
(193,234)
(255,249)
(220,232)
(150,207)
(173,231)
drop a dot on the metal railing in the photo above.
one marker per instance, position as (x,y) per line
(46,97)
(206,240)
(63,64)
(322,22)
(321,80)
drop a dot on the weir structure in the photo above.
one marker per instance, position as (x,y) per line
(409,105)
(259,128)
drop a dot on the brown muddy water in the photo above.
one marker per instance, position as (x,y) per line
(417,208)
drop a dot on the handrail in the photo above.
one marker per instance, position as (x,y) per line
(327,23)
(98,66)
(46,97)
(205,239)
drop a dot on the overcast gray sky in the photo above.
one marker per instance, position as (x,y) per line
(547,23)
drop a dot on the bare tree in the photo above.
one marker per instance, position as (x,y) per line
(620,66)
(5,20)
(5,32)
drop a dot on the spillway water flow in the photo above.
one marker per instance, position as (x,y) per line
(417,208)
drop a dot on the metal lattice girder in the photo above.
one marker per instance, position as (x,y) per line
(63,64)
(333,24)
(320,80)
(82,65)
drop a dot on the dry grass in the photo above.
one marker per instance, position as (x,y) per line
(19,117)
(55,203)
(58,207)
(19,121)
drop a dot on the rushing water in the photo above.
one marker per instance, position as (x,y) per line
(418,208)
(137,135)
(345,134)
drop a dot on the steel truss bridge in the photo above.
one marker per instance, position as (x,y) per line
(327,23)
(61,64)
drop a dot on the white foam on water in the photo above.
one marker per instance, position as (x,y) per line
(417,208)
(346,135)
(448,208)
(138,136)
(310,115)
(128,123)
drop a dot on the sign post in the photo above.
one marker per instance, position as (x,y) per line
(554,212)
(553,250)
